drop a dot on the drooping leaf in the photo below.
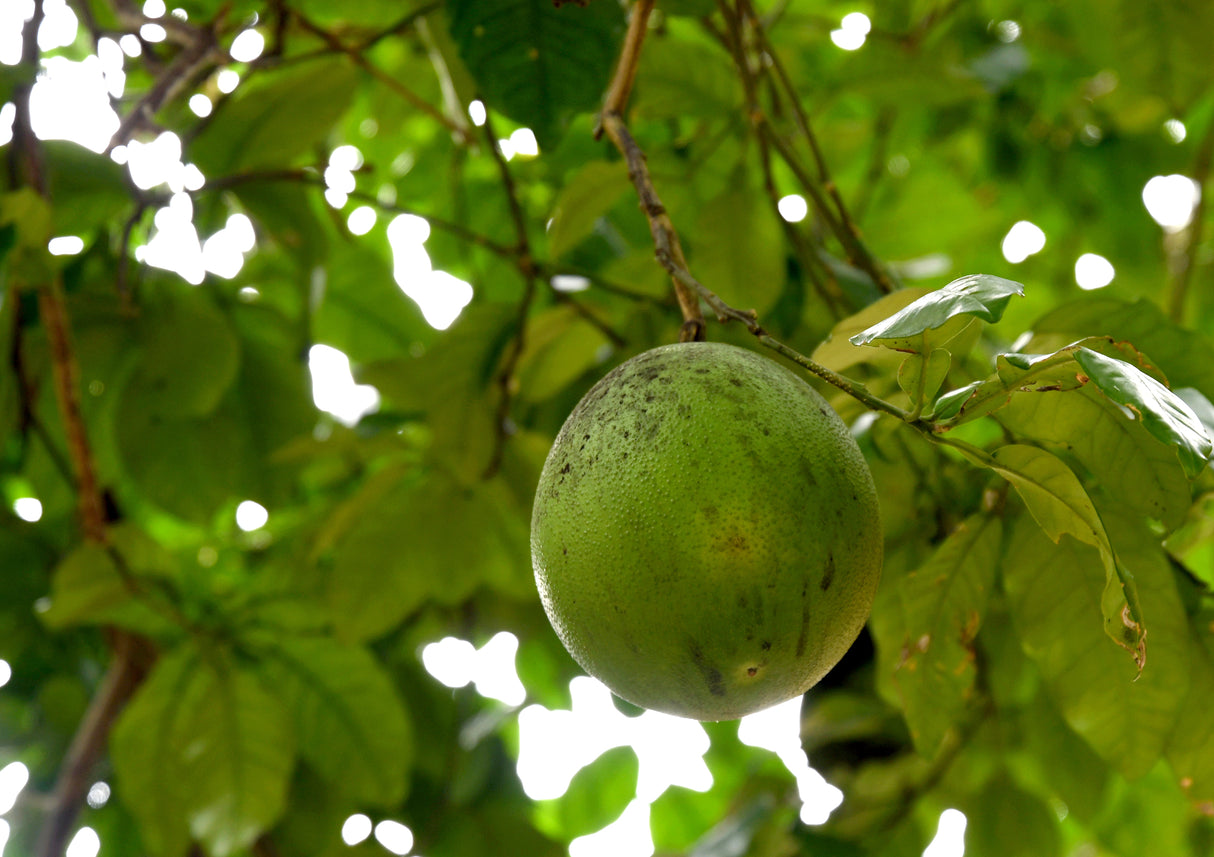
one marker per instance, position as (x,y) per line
(536,62)
(1163,413)
(348,718)
(1057,500)
(981,296)
(1119,453)
(944,601)
(1056,593)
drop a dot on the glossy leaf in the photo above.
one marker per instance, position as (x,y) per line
(981,296)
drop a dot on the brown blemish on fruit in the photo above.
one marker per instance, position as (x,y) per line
(712,675)
(803,637)
(829,575)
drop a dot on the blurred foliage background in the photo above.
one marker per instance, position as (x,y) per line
(221,561)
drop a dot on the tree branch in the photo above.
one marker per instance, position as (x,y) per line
(630,56)
(527,267)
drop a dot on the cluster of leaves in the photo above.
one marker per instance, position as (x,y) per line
(277,687)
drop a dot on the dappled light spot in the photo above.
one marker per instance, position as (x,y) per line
(457,663)
(778,729)
(570,283)
(86,843)
(12,19)
(8,114)
(356,829)
(394,836)
(59,25)
(6,672)
(440,296)
(175,246)
(1024,239)
(1175,130)
(334,389)
(555,744)
(28,509)
(98,795)
(1007,31)
(251,515)
(361,220)
(1170,200)
(71,101)
(155,163)
(112,61)
(476,112)
(521,142)
(793,208)
(65,245)
(13,778)
(852,32)
(130,44)
(153,33)
(627,836)
(223,253)
(247,46)
(950,836)
(1093,271)
(200,104)
(227,80)
(154,8)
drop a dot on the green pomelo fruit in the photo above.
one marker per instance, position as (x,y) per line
(706,537)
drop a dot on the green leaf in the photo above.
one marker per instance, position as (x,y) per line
(1164,414)
(1055,593)
(694,8)
(191,355)
(1061,506)
(1190,748)
(837,351)
(363,312)
(1123,458)
(203,749)
(1004,820)
(921,375)
(560,347)
(90,588)
(349,720)
(428,538)
(597,796)
(588,195)
(744,265)
(455,384)
(679,76)
(89,190)
(944,601)
(981,296)
(535,62)
(277,118)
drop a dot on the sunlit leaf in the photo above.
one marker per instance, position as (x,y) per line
(596,796)
(740,264)
(561,345)
(1190,749)
(1164,414)
(981,296)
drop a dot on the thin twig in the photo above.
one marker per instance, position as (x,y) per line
(630,57)
(1186,257)
(844,227)
(356,56)
(530,274)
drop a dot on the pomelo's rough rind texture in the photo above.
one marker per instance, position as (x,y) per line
(706,536)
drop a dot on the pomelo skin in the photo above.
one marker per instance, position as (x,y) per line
(706,537)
